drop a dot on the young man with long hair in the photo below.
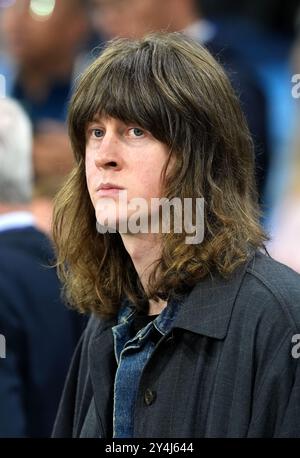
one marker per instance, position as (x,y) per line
(189,336)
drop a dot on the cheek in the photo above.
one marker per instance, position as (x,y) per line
(148,172)
(149,179)
(89,176)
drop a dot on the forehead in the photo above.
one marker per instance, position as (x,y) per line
(105,118)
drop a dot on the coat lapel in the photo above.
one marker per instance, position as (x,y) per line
(102,369)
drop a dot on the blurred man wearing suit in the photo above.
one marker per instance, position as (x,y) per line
(40,332)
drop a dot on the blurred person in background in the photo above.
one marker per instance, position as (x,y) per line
(41,333)
(285,227)
(47,42)
(45,49)
(277,15)
(135,18)
(263,33)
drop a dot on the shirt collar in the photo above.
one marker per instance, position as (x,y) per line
(162,322)
(16,220)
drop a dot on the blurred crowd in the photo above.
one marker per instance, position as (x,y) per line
(44,47)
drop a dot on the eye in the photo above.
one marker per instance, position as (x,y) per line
(136,132)
(97,133)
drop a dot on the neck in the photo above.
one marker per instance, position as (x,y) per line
(156,307)
(145,250)
(186,15)
(11,208)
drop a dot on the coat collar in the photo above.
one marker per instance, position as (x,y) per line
(208,307)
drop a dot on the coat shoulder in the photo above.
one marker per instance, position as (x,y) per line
(275,286)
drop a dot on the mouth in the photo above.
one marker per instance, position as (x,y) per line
(108,189)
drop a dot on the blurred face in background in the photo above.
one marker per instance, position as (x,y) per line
(131,18)
(31,35)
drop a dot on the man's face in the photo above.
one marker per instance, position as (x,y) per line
(124,156)
(131,18)
(30,37)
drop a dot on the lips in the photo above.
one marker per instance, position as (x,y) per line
(108,186)
(108,190)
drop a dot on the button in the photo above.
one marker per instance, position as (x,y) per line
(149,397)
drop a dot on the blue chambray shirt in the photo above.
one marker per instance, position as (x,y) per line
(132,355)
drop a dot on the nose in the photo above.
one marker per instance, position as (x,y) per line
(109,154)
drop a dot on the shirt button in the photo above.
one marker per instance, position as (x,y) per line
(149,397)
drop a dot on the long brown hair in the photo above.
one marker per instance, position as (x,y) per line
(172,87)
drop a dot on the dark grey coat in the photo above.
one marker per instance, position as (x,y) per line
(226,369)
